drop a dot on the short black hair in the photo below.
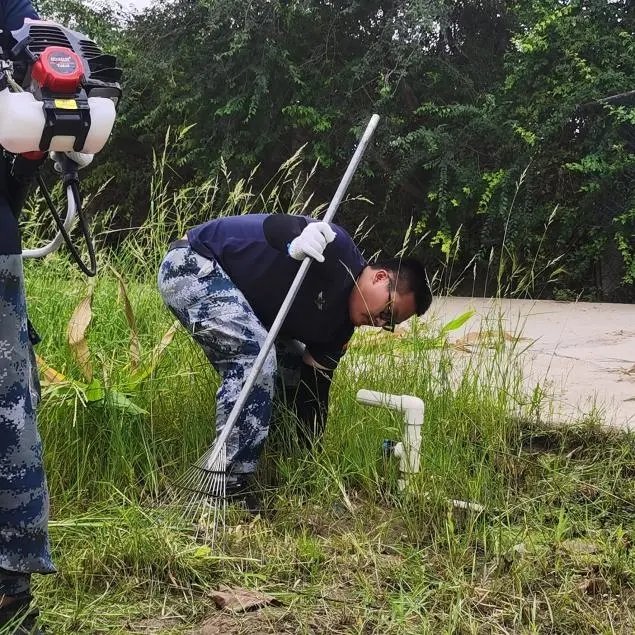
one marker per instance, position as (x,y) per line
(411,277)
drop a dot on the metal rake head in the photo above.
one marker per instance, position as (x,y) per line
(201,494)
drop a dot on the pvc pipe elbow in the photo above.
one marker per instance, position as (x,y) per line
(396,402)
(407,451)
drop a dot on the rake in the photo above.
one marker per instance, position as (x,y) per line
(206,480)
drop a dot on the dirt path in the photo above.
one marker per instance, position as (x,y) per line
(582,353)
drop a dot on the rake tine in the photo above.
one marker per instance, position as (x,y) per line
(206,504)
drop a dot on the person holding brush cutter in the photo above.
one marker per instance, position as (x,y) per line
(226,281)
(54,104)
(24,543)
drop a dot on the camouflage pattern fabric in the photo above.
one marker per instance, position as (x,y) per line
(24,545)
(217,315)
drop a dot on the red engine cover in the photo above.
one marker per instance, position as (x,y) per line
(59,69)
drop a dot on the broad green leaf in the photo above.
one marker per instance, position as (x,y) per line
(94,391)
(122,402)
(457,322)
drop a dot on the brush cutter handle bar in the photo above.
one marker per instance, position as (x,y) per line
(71,213)
(208,461)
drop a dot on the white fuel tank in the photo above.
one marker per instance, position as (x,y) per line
(22,122)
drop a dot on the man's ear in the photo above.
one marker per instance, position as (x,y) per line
(380,275)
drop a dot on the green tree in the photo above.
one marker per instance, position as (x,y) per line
(492,118)
(567,55)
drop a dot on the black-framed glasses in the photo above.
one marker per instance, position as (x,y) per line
(386,316)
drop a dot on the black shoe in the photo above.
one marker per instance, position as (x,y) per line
(243,491)
(19,618)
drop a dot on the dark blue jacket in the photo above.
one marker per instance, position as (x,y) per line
(252,249)
(12,14)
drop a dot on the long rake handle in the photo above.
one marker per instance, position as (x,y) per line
(207,460)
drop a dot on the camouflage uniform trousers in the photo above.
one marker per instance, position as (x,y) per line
(24,504)
(219,318)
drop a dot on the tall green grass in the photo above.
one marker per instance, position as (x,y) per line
(346,552)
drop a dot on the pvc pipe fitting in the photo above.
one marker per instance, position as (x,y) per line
(408,451)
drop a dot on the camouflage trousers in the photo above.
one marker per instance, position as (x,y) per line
(217,315)
(24,545)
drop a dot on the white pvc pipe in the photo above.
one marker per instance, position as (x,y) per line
(54,245)
(475,507)
(407,451)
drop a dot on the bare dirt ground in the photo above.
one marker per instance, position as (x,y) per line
(582,354)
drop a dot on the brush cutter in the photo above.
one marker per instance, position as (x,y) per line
(205,481)
(58,93)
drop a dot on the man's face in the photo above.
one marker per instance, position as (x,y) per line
(375,301)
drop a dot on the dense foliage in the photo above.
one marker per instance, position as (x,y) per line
(493,127)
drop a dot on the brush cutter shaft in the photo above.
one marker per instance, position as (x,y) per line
(288,301)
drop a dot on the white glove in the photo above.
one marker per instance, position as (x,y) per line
(312,241)
(81,158)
